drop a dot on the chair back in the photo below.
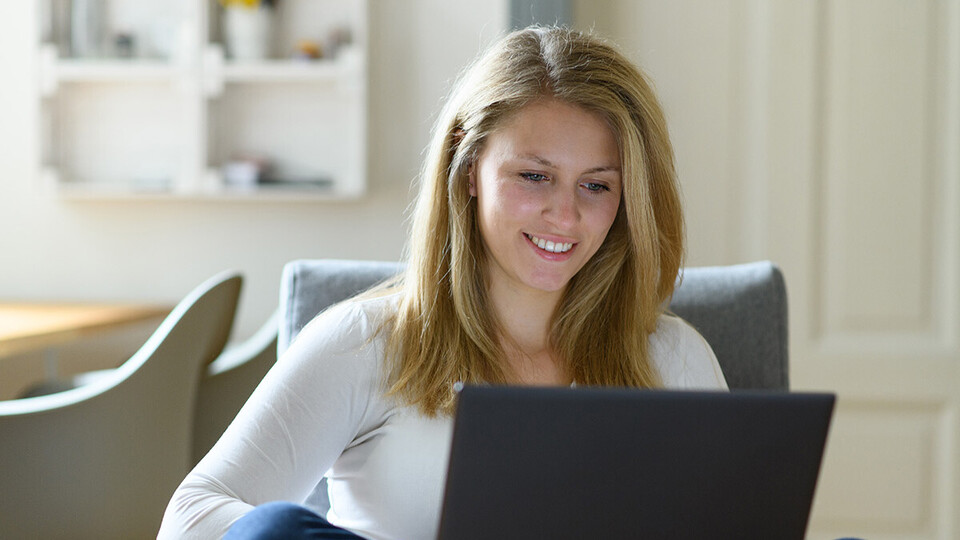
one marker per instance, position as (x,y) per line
(740,310)
(102,460)
(308,287)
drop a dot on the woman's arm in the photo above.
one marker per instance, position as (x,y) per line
(304,413)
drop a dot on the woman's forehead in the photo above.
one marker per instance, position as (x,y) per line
(553,132)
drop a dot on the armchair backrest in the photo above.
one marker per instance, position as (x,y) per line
(308,287)
(741,310)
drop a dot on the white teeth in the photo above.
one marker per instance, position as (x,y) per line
(553,247)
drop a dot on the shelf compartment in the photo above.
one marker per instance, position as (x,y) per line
(118,133)
(303,131)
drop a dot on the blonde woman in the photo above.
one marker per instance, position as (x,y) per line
(546,241)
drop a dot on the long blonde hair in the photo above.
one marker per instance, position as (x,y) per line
(444,330)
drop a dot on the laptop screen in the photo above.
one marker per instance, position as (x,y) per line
(532,462)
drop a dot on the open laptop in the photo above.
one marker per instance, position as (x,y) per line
(590,463)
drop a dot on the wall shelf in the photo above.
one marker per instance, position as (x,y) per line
(165,126)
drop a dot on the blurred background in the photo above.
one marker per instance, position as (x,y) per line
(821,135)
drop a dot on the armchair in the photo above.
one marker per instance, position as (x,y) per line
(101,460)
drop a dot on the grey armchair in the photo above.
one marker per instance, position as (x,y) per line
(101,460)
(741,310)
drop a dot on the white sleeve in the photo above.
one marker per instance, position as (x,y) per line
(683,358)
(310,407)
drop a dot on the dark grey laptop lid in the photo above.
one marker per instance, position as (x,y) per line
(614,463)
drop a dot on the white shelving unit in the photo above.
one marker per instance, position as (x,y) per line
(163,124)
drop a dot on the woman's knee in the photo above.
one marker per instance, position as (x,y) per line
(278,520)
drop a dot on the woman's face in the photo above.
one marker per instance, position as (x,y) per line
(548,185)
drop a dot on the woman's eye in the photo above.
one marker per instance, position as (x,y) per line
(595,187)
(534,177)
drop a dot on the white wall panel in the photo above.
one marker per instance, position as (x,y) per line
(878,166)
(881,475)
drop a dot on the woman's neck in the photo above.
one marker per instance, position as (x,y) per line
(525,318)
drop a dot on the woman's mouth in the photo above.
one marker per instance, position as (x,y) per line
(547,245)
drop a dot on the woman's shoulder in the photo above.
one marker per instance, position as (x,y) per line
(349,325)
(357,313)
(369,305)
(673,328)
(683,357)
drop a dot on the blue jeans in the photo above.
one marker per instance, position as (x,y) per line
(282,520)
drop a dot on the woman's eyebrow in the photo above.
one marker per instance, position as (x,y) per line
(547,163)
(539,159)
(604,168)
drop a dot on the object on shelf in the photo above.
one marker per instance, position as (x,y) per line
(249,4)
(307,50)
(297,184)
(124,45)
(57,29)
(338,38)
(86,28)
(248,29)
(245,172)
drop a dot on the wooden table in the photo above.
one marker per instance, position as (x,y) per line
(26,327)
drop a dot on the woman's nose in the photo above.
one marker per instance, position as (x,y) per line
(563,209)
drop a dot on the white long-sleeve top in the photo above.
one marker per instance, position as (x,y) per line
(321,410)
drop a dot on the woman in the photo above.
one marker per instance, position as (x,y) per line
(546,241)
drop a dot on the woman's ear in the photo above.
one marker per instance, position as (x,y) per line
(458,135)
(472,178)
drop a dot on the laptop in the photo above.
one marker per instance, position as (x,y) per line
(591,463)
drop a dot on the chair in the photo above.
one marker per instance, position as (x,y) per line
(102,460)
(227,383)
(740,310)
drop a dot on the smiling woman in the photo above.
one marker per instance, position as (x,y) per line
(546,240)
(544,114)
